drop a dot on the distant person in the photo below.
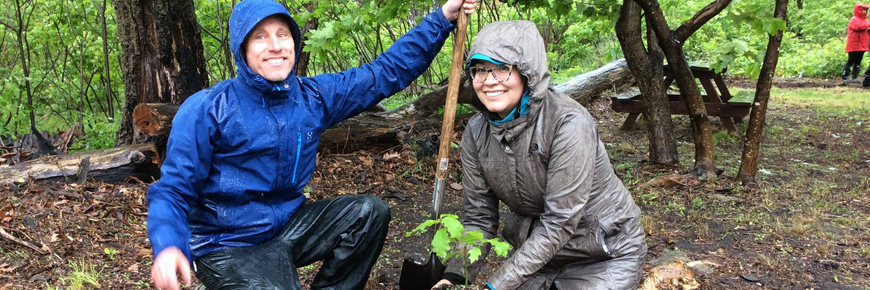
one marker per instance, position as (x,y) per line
(572,222)
(229,202)
(856,42)
(866,83)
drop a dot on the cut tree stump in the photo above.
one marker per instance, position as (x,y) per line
(108,165)
(154,119)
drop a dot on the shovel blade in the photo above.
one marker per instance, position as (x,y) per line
(421,276)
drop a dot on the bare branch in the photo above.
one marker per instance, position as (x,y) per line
(705,14)
(202,28)
(9,26)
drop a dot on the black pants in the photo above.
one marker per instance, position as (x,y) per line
(347,233)
(853,65)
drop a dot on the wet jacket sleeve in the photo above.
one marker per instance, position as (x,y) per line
(481,207)
(858,25)
(348,93)
(188,152)
(569,183)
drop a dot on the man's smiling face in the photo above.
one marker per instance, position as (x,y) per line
(270,49)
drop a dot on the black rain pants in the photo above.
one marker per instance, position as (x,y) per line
(347,233)
(853,65)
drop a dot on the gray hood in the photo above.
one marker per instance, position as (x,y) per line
(518,43)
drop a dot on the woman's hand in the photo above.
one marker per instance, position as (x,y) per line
(451,8)
(440,283)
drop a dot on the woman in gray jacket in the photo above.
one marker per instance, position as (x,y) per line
(572,223)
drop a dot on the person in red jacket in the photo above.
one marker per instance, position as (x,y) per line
(856,41)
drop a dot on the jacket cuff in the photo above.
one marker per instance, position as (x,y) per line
(164,237)
(438,17)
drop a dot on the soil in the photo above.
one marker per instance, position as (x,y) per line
(804,227)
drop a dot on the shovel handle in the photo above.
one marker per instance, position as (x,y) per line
(452,94)
(449,112)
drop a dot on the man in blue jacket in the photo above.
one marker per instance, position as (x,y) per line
(240,152)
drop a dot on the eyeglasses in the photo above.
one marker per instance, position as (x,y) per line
(500,73)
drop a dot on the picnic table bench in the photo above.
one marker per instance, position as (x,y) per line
(717,100)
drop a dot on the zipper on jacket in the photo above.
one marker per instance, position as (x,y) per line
(298,152)
(278,133)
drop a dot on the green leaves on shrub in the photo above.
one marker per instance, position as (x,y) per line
(453,240)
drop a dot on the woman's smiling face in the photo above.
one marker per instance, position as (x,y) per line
(499,87)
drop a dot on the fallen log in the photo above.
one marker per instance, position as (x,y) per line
(429,103)
(583,88)
(362,132)
(107,165)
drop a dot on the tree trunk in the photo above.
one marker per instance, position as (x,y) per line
(672,42)
(162,59)
(749,160)
(646,66)
(304,55)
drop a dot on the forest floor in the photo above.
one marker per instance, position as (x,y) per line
(807,225)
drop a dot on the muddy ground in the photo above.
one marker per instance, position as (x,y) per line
(804,227)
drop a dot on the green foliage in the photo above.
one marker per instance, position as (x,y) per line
(452,240)
(110,253)
(723,136)
(65,57)
(98,134)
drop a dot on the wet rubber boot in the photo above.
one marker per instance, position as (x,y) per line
(846,72)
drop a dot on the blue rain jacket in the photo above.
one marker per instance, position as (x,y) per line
(240,152)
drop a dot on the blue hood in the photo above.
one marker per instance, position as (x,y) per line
(246,15)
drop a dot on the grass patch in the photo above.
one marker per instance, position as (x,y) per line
(80,275)
(839,101)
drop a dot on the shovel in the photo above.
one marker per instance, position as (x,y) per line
(417,275)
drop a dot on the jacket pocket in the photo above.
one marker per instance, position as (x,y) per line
(516,229)
(589,242)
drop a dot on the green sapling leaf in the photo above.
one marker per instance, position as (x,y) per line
(501,248)
(453,226)
(421,228)
(472,237)
(474,254)
(441,243)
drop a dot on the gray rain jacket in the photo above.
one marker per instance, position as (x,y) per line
(568,208)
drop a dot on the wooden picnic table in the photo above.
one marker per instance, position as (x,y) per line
(717,100)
